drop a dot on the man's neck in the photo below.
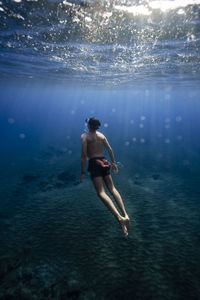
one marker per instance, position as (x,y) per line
(92,130)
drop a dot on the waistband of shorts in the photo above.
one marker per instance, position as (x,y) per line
(96,157)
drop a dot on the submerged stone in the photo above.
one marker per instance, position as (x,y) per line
(155,176)
(29,177)
(7,264)
(66,177)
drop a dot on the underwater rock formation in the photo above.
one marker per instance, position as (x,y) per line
(27,178)
(155,176)
(46,183)
(27,281)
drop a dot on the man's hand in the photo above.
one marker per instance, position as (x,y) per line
(114,168)
(82,177)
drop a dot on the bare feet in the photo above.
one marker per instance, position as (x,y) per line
(128,225)
(122,222)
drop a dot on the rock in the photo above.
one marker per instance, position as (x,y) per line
(59,185)
(66,177)
(9,297)
(25,294)
(7,264)
(16,193)
(27,178)
(137,182)
(76,182)
(155,176)
(73,289)
(27,276)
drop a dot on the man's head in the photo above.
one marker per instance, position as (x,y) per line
(94,123)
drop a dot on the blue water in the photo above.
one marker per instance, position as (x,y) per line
(135,66)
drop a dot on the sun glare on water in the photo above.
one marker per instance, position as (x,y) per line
(164,6)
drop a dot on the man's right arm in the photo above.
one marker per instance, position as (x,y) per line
(83,155)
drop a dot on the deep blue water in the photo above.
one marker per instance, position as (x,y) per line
(135,66)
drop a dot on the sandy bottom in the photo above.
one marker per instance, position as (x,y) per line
(58,241)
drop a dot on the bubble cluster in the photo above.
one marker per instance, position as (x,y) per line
(167,126)
(179,138)
(142,140)
(22,136)
(167,141)
(11,120)
(178,118)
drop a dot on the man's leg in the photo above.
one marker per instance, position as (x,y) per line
(116,195)
(98,184)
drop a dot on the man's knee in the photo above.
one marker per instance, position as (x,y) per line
(101,194)
(112,189)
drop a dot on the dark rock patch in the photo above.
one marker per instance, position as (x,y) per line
(66,177)
(28,178)
(8,264)
(155,176)
(16,193)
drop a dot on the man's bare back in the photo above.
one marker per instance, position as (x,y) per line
(95,142)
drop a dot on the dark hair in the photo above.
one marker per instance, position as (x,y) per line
(94,123)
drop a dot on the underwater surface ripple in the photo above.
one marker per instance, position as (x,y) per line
(99,42)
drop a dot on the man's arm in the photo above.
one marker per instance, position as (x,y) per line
(83,155)
(111,154)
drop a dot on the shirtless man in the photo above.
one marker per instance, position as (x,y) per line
(99,168)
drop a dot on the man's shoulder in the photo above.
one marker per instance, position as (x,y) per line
(101,135)
(83,136)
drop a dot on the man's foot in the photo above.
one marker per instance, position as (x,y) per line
(128,225)
(122,222)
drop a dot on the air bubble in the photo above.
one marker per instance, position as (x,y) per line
(167,96)
(167,126)
(178,118)
(142,118)
(11,120)
(167,141)
(179,137)
(22,136)
(167,120)
(105,125)
(142,140)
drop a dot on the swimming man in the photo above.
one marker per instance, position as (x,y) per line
(99,169)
